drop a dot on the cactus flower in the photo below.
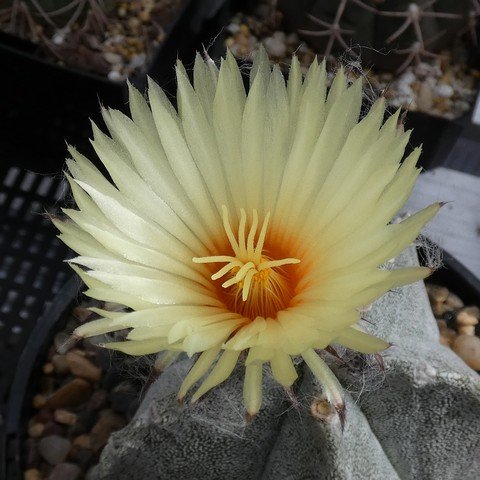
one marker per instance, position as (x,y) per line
(240,227)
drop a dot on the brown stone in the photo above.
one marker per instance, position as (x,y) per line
(48,368)
(38,402)
(108,423)
(65,417)
(82,441)
(32,474)
(467,347)
(71,394)
(60,364)
(82,367)
(36,430)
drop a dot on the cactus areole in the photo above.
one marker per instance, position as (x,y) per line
(244,228)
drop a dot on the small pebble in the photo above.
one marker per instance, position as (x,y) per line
(466,329)
(454,301)
(275,45)
(36,430)
(54,449)
(467,347)
(465,318)
(71,394)
(82,441)
(82,367)
(439,309)
(65,471)
(60,364)
(32,474)
(112,58)
(444,91)
(109,422)
(65,417)
(48,368)
(115,76)
(425,97)
(137,61)
(58,38)
(39,401)
(437,293)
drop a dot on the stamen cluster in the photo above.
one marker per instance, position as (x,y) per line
(250,271)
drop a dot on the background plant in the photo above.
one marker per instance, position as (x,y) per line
(396,33)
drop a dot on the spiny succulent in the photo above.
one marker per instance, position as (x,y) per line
(392,34)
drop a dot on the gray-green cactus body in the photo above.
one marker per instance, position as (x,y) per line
(421,421)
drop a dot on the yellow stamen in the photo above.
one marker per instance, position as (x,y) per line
(249,270)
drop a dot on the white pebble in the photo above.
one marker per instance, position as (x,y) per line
(275,45)
(115,76)
(233,28)
(404,82)
(424,69)
(138,60)
(112,58)
(443,90)
(58,38)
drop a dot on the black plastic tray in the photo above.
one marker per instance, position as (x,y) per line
(31,259)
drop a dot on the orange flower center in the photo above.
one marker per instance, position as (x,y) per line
(256,285)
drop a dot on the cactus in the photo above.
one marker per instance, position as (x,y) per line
(395,32)
(421,422)
(39,19)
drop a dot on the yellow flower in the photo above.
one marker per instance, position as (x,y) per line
(244,223)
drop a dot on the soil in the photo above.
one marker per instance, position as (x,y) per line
(83,395)
(115,38)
